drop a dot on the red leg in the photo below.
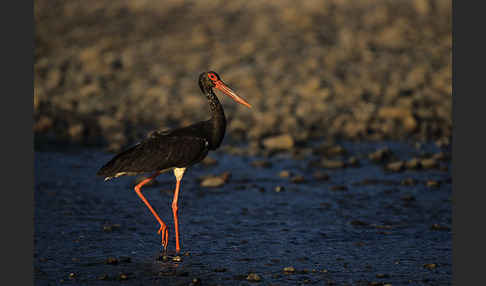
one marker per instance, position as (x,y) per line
(174,212)
(163,227)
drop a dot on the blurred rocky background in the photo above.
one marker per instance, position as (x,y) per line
(107,72)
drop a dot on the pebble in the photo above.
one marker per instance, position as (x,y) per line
(409,182)
(395,166)
(253,277)
(43,124)
(209,161)
(413,163)
(432,184)
(332,164)
(215,181)
(123,276)
(289,269)
(279,189)
(329,150)
(441,156)
(280,142)
(111,227)
(380,155)
(284,174)
(298,179)
(430,265)
(111,260)
(261,163)
(429,163)
(212,182)
(339,188)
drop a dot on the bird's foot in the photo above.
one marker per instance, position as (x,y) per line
(165,236)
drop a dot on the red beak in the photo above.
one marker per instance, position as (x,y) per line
(226,90)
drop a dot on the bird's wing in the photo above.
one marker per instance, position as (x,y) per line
(156,153)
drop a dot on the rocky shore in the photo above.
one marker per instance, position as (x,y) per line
(106,73)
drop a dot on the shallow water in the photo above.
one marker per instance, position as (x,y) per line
(377,230)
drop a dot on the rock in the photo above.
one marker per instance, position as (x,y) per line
(253,277)
(289,269)
(441,156)
(430,266)
(413,163)
(195,281)
(107,122)
(284,174)
(339,188)
(111,227)
(429,163)
(54,78)
(330,150)
(209,161)
(395,166)
(261,164)
(111,260)
(215,181)
(279,189)
(443,142)
(298,179)
(76,131)
(432,184)
(89,90)
(409,182)
(280,142)
(43,124)
(380,155)
(332,164)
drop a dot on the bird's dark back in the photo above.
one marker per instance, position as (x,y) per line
(158,152)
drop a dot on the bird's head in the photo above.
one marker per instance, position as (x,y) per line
(210,79)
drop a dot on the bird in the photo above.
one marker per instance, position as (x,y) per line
(175,150)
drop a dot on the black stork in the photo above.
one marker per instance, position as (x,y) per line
(175,150)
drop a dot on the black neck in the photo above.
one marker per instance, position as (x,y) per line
(217,122)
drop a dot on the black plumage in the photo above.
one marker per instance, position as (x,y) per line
(159,152)
(177,149)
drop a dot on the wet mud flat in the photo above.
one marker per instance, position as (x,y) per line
(247,220)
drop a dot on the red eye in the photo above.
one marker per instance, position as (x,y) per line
(212,76)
